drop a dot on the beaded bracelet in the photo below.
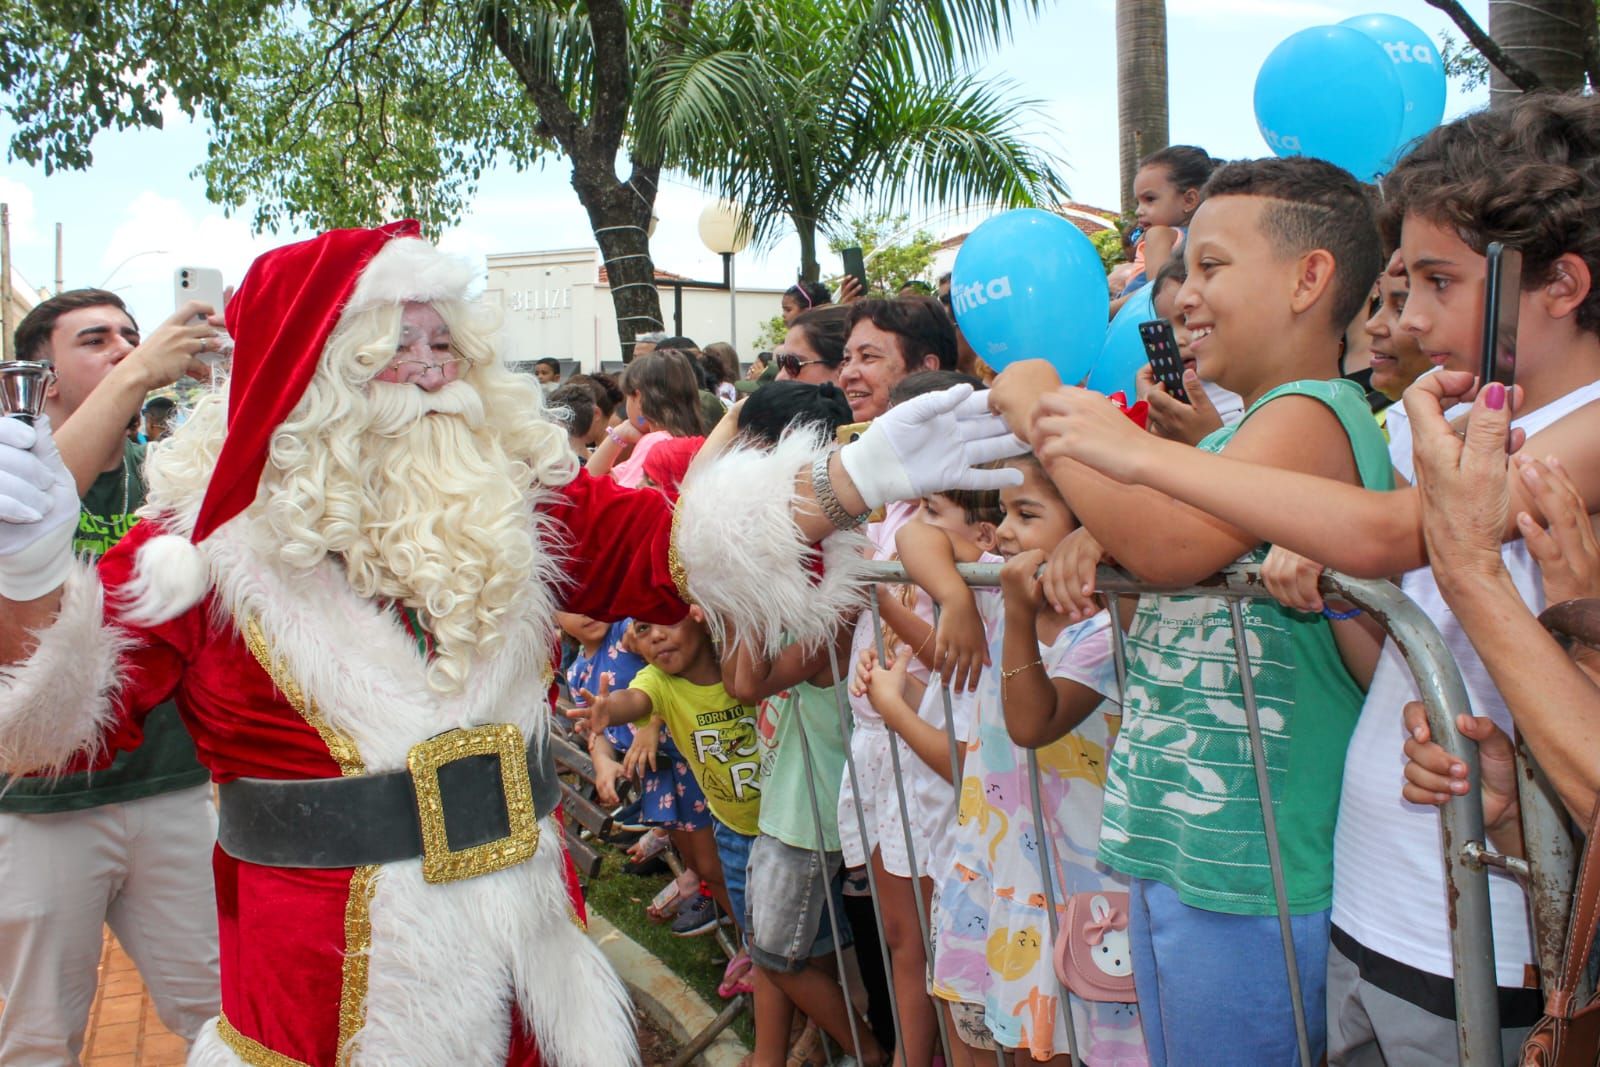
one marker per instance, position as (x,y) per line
(1339,616)
(616,438)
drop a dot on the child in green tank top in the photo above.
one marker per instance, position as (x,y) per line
(1281,257)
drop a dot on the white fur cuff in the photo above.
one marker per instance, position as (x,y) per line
(57,702)
(746,562)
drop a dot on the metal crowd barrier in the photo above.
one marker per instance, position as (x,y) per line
(1461,824)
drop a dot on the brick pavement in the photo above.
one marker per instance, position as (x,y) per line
(123,1028)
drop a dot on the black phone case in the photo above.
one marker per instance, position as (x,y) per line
(1162,349)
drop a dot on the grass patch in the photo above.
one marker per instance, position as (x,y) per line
(622,898)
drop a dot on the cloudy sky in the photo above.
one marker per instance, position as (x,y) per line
(137,214)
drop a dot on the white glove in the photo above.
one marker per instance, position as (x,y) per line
(930,444)
(38,511)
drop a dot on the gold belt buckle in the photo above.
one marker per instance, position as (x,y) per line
(440,863)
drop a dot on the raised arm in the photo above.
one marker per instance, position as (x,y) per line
(1468,498)
(961,647)
(38,514)
(1038,709)
(97,429)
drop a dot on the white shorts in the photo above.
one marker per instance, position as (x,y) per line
(880,804)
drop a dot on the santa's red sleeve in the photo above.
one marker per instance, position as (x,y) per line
(83,694)
(731,547)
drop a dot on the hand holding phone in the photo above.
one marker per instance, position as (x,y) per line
(205,285)
(1502,295)
(855,265)
(1161,347)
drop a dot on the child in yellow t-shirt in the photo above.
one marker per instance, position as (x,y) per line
(682,690)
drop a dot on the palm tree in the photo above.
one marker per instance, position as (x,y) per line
(1546,37)
(1141,86)
(802,110)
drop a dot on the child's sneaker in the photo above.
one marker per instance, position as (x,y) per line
(698,916)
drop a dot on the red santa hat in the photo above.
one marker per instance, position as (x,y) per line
(288,305)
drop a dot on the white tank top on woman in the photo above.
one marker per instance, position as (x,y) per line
(1388,872)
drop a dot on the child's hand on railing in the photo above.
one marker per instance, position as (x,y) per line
(960,646)
(1069,576)
(641,753)
(885,683)
(1020,585)
(1292,580)
(607,772)
(1433,776)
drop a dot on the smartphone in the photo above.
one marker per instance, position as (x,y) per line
(1502,292)
(203,284)
(1161,346)
(856,265)
(197,283)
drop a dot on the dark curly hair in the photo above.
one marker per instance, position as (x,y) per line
(1188,167)
(1313,204)
(1527,176)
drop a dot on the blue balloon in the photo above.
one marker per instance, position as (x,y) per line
(1416,60)
(1331,92)
(1029,285)
(1122,352)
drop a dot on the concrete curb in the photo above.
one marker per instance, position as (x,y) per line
(667,998)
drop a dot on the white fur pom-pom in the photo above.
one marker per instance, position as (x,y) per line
(170,575)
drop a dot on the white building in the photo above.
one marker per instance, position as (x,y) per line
(558,304)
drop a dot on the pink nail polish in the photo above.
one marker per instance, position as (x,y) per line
(1494,397)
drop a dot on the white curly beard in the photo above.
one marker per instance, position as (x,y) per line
(421,499)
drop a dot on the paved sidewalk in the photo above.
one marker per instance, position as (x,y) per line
(123,1028)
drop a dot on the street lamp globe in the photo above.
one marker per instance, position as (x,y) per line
(723,229)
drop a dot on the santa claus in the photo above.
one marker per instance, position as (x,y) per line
(346,576)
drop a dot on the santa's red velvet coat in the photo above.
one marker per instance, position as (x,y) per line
(296,677)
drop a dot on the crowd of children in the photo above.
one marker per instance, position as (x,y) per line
(1075,869)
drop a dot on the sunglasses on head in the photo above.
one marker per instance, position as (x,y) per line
(790,363)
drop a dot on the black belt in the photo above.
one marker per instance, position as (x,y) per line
(468,803)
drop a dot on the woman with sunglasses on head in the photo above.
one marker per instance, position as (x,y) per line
(813,348)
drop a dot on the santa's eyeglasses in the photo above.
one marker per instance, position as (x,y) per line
(412,369)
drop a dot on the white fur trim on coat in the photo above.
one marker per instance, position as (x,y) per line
(409,268)
(208,1050)
(57,703)
(747,563)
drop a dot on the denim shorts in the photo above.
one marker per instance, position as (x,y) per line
(786,915)
(733,849)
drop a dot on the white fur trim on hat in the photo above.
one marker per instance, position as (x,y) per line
(170,575)
(407,269)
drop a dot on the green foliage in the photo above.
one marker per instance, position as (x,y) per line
(892,256)
(804,110)
(1463,63)
(1109,244)
(70,68)
(771,335)
(328,113)
(369,114)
